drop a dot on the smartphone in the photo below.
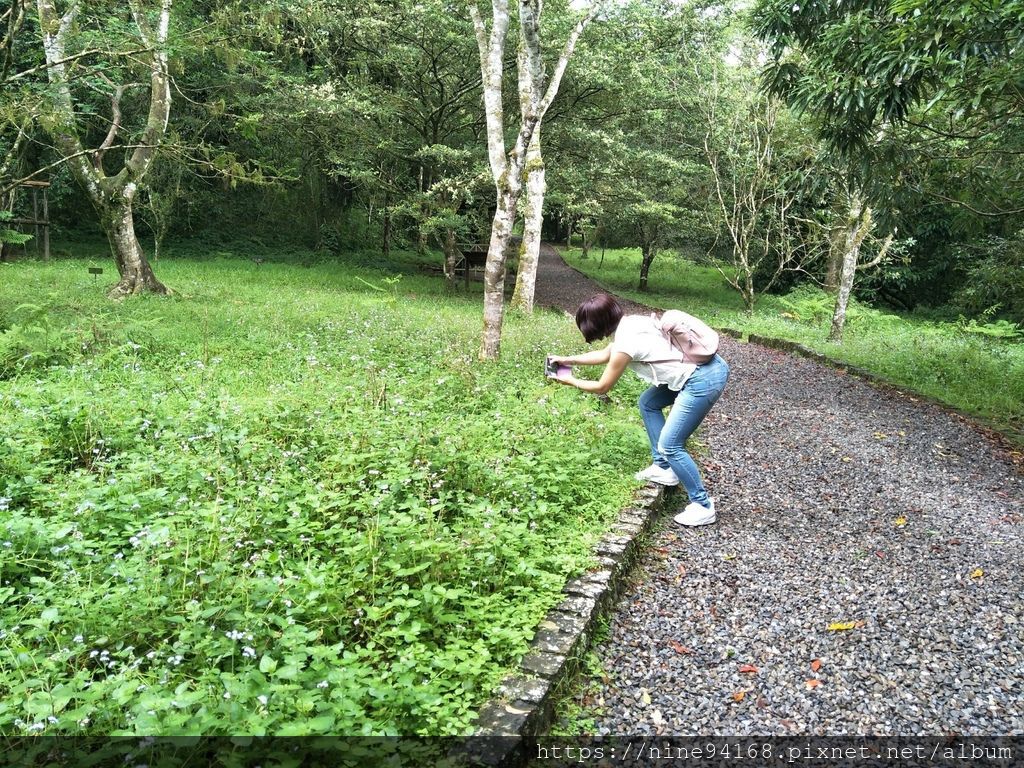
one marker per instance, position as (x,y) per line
(555,370)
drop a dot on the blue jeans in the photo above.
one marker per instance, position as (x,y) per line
(689,407)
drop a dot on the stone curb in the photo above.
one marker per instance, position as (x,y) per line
(522,711)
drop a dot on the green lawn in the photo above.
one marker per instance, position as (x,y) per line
(284,500)
(969,371)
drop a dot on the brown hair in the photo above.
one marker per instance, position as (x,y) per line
(598,317)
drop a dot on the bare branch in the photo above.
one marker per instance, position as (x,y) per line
(881,253)
(75,57)
(991,214)
(11,184)
(115,126)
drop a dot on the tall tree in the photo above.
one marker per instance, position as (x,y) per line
(847,244)
(507,167)
(113,195)
(931,90)
(755,156)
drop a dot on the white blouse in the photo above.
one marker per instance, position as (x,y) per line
(652,356)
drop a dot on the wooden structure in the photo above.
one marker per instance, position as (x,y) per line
(473,255)
(37,222)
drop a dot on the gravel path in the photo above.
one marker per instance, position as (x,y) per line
(838,502)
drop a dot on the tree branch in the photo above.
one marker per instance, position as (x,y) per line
(75,57)
(11,184)
(115,126)
(563,59)
(881,254)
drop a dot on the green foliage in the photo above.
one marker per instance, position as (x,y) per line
(8,235)
(28,340)
(857,63)
(995,277)
(811,305)
(996,329)
(297,505)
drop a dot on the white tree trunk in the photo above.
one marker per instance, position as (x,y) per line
(857,228)
(507,169)
(533,220)
(136,274)
(494,274)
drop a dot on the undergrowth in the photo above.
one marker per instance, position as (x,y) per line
(285,500)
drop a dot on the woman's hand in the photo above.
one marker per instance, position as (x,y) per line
(611,374)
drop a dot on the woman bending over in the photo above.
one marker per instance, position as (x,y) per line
(686,388)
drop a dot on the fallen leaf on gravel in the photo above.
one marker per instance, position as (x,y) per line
(841,626)
(815,665)
(847,459)
(679,647)
(812,684)
(900,521)
(731,556)
(645,697)
(880,435)
(880,554)
(748,669)
(739,696)
(977,573)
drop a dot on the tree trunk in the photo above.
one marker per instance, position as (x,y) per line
(858,225)
(586,245)
(529,254)
(649,252)
(494,274)
(136,275)
(451,254)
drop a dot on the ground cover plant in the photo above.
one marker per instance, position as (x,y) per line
(973,365)
(285,500)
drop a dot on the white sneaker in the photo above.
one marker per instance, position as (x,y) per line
(697,514)
(656,474)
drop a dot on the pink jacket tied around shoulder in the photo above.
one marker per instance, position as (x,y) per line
(695,340)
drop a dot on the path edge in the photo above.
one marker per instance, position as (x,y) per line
(522,710)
